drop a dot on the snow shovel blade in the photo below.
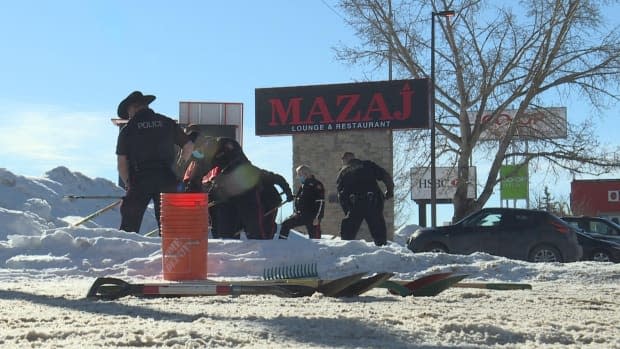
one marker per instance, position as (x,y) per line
(427,280)
(395,288)
(404,288)
(364,285)
(331,288)
(438,286)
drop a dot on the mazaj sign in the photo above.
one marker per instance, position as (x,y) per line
(395,104)
(446,179)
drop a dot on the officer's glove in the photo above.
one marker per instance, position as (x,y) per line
(198,155)
(388,194)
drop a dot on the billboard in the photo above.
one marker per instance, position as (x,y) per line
(228,116)
(515,182)
(395,104)
(446,179)
(534,124)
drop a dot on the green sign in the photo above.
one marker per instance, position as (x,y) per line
(514,182)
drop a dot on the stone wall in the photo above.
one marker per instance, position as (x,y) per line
(323,152)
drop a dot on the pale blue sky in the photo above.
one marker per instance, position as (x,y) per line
(65,65)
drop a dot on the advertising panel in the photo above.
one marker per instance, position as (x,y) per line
(395,104)
(446,179)
(514,184)
(227,115)
(547,123)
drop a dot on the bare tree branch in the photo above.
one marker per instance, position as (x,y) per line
(490,59)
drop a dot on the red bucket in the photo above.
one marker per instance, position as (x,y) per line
(184,232)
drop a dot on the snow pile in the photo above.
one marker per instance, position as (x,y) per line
(46,267)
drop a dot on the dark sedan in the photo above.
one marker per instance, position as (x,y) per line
(530,235)
(599,250)
(597,227)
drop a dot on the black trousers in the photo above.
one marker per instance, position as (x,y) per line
(140,193)
(370,210)
(244,211)
(296,220)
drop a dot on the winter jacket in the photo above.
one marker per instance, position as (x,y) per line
(309,200)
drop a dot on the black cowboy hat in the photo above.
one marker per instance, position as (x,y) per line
(134,97)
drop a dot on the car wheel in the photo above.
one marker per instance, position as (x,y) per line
(436,247)
(600,256)
(545,254)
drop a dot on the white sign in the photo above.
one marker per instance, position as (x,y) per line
(547,123)
(446,179)
(613,195)
(212,113)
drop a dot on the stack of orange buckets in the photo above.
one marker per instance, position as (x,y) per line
(184,235)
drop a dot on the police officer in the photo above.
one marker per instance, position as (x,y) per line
(361,198)
(309,205)
(237,188)
(146,154)
(271,198)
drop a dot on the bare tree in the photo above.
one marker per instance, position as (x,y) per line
(490,59)
(547,202)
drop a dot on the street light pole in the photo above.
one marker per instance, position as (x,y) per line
(447,13)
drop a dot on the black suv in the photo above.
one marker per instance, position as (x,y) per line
(530,235)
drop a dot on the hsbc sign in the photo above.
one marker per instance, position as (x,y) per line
(446,181)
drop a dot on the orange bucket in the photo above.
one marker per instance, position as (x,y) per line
(184,232)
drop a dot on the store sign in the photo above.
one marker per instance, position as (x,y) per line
(446,179)
(548,123)
(514,182)
(613,195)
(395,104)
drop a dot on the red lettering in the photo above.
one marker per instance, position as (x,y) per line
(319,108)
(405,114)
(377,104)
(351,101)
(278,113)
(503,117)
(531,119)
(506,119)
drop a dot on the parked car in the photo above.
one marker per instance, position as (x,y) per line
(599,250)
(597,227)
(530,235)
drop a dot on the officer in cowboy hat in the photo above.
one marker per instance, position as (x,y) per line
(146,155)
(134,100)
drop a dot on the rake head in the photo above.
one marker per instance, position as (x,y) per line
(297,271)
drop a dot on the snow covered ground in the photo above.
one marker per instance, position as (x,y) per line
(46,268)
